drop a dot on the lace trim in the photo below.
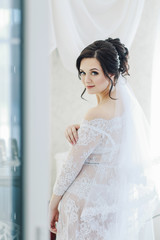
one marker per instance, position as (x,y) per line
(102,123)
(105,120)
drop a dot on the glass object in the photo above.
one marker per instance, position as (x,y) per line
(10,120)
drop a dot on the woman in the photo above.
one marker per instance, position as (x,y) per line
(103,189)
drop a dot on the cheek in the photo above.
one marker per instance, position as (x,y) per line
(83,81)
(102,82)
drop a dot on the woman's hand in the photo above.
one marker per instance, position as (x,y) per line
(53,212)
(71,133)
(54,215)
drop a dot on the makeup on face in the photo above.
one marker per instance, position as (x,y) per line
(92,75)
(89,86)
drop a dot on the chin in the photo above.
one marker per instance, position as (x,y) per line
(89,92)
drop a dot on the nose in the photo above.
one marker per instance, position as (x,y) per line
(88,78)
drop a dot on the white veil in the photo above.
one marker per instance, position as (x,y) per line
(134,193)
(140,196)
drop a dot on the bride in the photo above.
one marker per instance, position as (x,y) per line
(103,190)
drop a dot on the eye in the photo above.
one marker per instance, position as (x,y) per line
(94,73)
(81,73)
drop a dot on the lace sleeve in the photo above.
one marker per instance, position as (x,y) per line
(88,138)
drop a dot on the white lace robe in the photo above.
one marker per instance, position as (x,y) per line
(82,207)
(93,205)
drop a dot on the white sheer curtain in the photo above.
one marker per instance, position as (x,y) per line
(155,97)
(74,24)
(155,119)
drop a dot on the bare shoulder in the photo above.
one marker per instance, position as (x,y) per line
(105,111)
(95,112)
(91,114)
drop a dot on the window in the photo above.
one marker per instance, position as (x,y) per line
(10,120)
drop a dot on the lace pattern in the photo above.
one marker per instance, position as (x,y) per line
(94,199)
(89,139)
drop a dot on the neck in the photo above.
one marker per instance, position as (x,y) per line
(103,97)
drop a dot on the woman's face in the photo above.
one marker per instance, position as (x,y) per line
(92,76)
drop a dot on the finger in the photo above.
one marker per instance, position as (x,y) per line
(53,230)
(68,134)
(53,222)
(53,226)
(72,131)
(71,136)
(77,126)
(68,137)
(75,134)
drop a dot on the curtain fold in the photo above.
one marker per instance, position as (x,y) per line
(75,24)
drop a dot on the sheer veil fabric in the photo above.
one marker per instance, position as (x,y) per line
(134,194)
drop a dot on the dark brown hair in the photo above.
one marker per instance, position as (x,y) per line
(112,56)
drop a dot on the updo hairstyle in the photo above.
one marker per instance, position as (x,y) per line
(112,56)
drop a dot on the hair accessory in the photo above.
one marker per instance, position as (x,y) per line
(119,63)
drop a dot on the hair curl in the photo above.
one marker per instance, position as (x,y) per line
(112,56)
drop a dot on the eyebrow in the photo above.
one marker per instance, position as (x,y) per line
(91,69)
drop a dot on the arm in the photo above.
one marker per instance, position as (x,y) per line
(88,139)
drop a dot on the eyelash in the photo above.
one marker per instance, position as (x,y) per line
(96,73)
